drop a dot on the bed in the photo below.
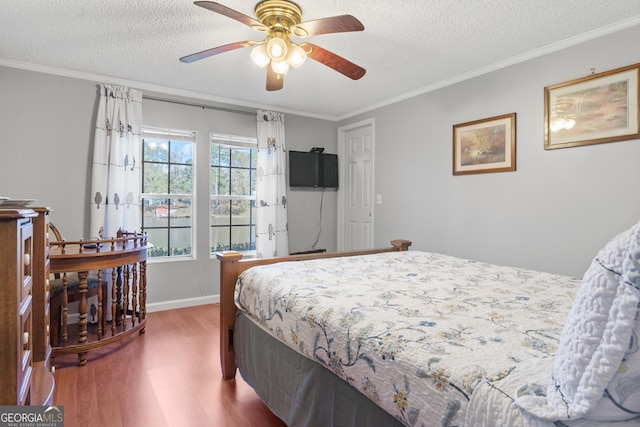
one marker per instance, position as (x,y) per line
(396,337)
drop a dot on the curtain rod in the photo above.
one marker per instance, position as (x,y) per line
(190,104)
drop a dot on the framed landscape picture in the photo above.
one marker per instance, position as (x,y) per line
(487,145)
(595,109)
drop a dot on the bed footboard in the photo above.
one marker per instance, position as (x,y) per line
(232,265)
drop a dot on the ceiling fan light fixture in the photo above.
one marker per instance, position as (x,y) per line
(296,55)
(280,67)
(279,20)
(298,31)
(259,56)
(277,48)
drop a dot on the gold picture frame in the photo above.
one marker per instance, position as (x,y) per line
(486,145)
(594,109)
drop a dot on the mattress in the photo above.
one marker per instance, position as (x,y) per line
(414,332)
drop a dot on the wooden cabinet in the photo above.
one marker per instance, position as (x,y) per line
(25,374)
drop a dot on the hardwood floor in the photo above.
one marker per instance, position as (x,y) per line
(168,376)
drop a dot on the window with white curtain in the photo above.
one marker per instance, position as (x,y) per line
(232,186)
(168,191)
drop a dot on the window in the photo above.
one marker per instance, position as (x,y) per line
(233,193)
(167,191)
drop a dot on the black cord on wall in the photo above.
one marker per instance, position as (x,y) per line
(313,247)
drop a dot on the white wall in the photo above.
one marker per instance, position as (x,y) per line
(46,149)
(552,214)
(47,133)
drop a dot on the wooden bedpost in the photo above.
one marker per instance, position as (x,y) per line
(228,276)
(401,244)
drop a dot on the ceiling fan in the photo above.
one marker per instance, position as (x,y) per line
(279,20)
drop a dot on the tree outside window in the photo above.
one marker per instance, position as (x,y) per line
(232,186)
(168,188)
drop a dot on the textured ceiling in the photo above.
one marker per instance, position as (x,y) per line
(408,47)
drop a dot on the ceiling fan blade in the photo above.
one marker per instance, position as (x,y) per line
(334,61)
(333,24)
(274,81)
(217,50)
(233,14)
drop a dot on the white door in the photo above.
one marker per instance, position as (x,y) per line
(355,201)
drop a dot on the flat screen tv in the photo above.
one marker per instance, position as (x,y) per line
(313,169)
(330,170)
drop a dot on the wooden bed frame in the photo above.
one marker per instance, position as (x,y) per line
(232,264)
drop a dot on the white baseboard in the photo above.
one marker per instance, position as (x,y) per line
(182,303)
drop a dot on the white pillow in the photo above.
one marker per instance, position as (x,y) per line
(595,340)
(621,400)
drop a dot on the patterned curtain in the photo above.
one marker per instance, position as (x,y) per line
(116,179)
(272,237)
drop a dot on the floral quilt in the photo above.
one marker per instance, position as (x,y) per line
(415,332)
